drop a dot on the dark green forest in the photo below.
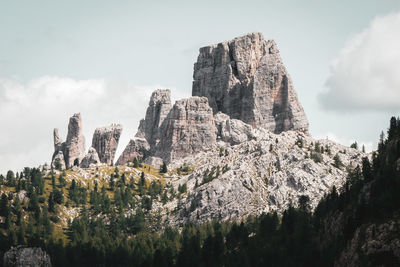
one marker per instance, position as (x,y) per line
(297,237)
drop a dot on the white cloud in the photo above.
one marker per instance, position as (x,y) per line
(29,112)
(366,73)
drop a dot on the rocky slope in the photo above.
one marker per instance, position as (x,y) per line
(265,173)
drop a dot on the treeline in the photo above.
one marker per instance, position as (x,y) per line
(105,235)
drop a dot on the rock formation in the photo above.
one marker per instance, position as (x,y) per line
(152,127)
(105,142)
(189,129)
(91,159)
(232,131)
(58,161)
(137,148)
(379,243)
(246,79)
(265,173)
(172,132)
(73,149)
(75,143)
(26,256)
(154,161)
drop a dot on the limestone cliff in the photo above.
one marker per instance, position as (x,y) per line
(246,79)
(105,142)
(74,149)
(189,129)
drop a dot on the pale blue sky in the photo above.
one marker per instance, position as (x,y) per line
(143,44)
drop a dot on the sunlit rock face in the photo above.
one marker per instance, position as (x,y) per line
(73,149)
(190,128)
(246,79)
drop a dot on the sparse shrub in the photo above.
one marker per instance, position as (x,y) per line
(182,188)
(299,142)
(337,162)
(316,157)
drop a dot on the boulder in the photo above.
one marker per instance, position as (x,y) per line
(26,256)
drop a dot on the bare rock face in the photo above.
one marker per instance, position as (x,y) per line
(105,142)
(153,125)
(26,256)
(75,144)
(379,243)
(91,159)
(172,132)
(189,129)
(58,161)
(232,131)
(73,149)
(137,148)
(58,142)
(260,175)
(154,161)
(246,79)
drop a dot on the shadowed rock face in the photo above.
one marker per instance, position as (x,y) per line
(151,129)
(91,159)
(137,148)
(246,79)
(105,142)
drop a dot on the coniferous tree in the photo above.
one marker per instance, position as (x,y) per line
(163,168)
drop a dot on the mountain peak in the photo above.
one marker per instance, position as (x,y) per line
(246,79)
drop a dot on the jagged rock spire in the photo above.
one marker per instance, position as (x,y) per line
(75,143)
(73,149)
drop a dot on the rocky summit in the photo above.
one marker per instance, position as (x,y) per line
(72,152)
(242,139)
(246,79)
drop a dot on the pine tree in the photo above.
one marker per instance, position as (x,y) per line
(163,168)
(51,204)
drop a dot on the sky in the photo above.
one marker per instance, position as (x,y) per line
(104,58)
